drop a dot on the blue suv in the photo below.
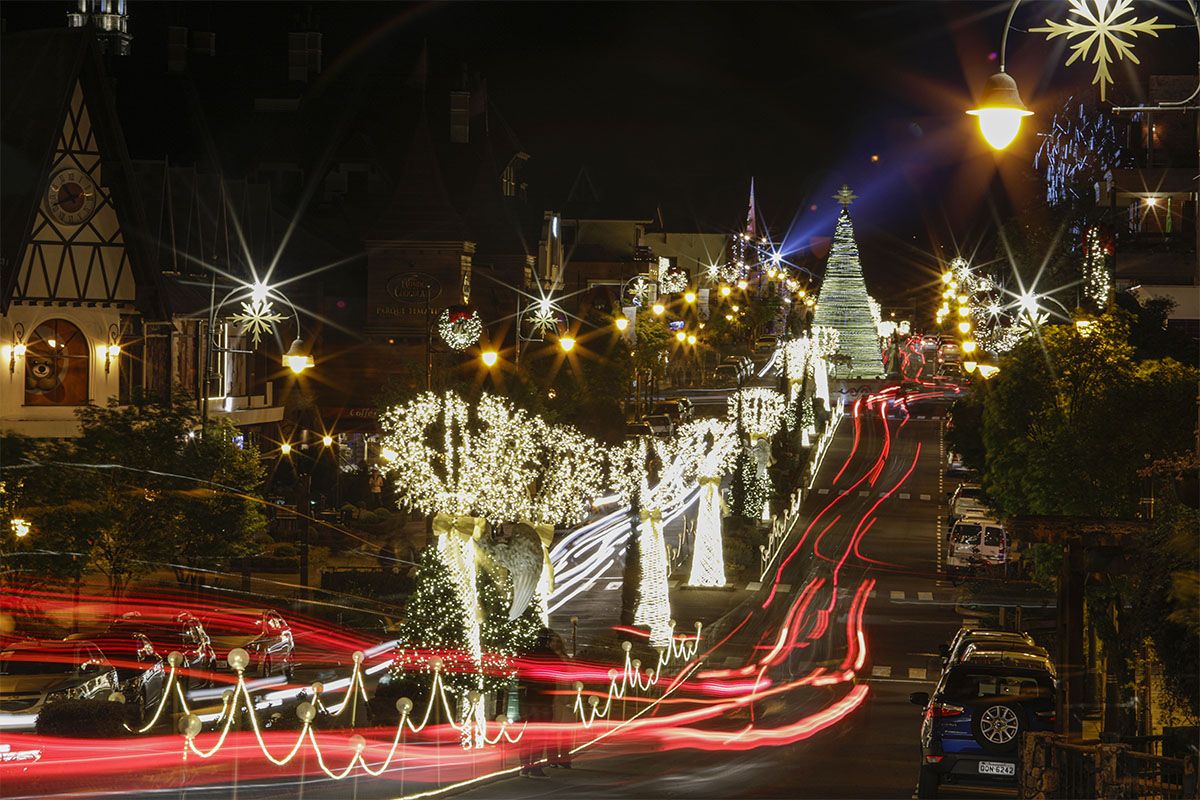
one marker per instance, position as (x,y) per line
(974,720)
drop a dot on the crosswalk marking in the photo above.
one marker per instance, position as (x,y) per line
(924,595)
(916,673)
(864,494)
(905,496)
(881,672)
(925,497)
(753,586)
(822,491)
(611,585)
(897,594)
(783,588)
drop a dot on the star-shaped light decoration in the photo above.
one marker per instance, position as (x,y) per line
(639,291)
(845,196)
(257,317)
(1102,27)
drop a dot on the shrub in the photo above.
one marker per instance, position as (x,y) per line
(84,718)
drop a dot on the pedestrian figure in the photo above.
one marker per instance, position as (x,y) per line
(375,482)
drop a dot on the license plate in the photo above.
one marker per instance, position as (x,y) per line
(997,768)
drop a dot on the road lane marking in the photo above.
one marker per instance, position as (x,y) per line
(611,585)
(881,672)
(924,595)
(916,673)
(897,594)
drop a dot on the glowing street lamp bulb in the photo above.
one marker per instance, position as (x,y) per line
(963,299)
(296,359)
(327,440)
(567,343)
(1000,111)
(621,322)
(658,309)
(285,448)
(680,336)
(19,349)
(729,317)
(691,339)
(968,347)
(964,327)
(776,258)
(726,291)
(114,350)
(689,297)
(736,307)
(969,366)
(963,311)
(20,527)
(742,284)
(802,293)
(490,356)
(771,273)
(259,292)
(1152,201)
(1029,303)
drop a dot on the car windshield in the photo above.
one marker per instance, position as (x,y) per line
(969,493)
(966,534)
(965,686)
(56,661)
(993,537)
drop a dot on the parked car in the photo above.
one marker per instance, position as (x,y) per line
(660,424)
(132,638)
(765,344)
(976,543)
(930,343)
(950,371)
(270,648)
(679,409)
(967,636)
(727,376)
(33,674)
(1030,656)
(967,499)
(973,721)
(635,429)
(949,352)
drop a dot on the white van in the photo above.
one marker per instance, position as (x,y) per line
(976,542)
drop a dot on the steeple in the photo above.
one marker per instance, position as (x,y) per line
(109,18)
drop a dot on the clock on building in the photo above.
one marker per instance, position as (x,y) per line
(71,198)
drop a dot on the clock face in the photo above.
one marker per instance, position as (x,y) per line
(71,198)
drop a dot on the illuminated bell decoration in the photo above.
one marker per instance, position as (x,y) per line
(296,359)
(460,327)
(1000,111)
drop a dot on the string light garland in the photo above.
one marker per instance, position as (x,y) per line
(708,558)
(1096,279)
(460,327)
(672,281)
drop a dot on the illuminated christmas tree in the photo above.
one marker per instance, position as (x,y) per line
(844,304)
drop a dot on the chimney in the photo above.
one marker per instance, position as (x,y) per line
(304,55)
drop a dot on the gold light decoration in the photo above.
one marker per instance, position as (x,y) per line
(1102,28)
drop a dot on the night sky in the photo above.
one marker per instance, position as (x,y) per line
(685,102)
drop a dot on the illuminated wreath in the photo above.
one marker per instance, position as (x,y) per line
(460,327)
(673,281)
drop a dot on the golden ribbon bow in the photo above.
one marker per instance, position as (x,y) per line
(466,527)
(654,515)
(709,480)
(545,532)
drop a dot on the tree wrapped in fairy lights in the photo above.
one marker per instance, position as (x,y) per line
(844,303)
(759,414)
(714,444)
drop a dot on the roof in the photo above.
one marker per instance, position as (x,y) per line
(38,72)
(420,209)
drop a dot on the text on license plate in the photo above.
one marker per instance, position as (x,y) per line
(997,768)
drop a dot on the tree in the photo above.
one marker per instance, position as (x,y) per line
(844,304)
(138,489)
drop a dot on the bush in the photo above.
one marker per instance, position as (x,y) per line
(285,550)
(84,718)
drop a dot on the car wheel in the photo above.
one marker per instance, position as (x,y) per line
(998,727)
(928,782)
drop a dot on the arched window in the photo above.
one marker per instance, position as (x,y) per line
(56,365)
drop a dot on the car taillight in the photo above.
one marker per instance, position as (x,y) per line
(1047,716)
(933,759)
(937,710)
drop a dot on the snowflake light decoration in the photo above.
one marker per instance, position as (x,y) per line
(1102,27)
(672,281)
(543,318)
(460,327)
(1028,323)
(640,291)
(256,318)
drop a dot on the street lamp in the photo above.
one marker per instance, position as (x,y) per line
(1001,109)
(659,309)
(622,322)
(964,327)
(691,338)
(489,357)
(285,448)
(567,343)
(327,440)
(689,297)
(968,346)
(20,527)
(680,336)
(296,359)
(726,291)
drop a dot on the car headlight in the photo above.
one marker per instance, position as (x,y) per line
(72,693)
